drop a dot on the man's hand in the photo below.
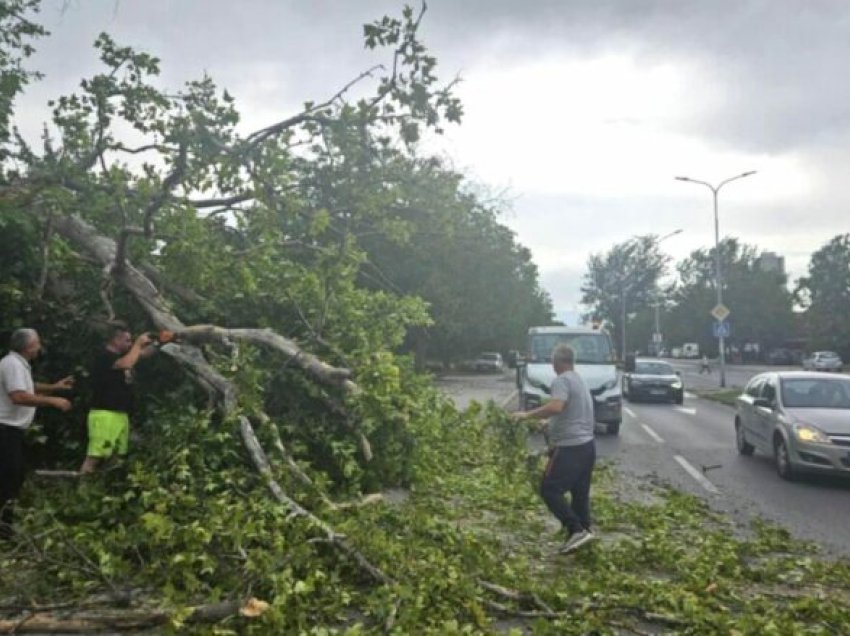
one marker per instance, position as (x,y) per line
(65,384)
(60,403)
(519,415)
(143,341)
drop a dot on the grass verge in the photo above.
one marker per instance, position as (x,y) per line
(724,396)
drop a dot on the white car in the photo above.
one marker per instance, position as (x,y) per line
(823,361)
(489,362)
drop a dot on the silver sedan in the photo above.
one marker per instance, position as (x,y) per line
(823,361)
(800,418)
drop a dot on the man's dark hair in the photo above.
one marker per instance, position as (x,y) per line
(114,328)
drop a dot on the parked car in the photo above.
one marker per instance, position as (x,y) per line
(653,380)
(690,350)
(801,418)
(780,356)
(489,362)
(823,361)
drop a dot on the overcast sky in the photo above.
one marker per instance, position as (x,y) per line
(583,112)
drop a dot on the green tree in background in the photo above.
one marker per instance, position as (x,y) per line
(761,304)
(825,295)
(481,286)
(623,281)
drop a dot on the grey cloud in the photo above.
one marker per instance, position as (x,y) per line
(776,65)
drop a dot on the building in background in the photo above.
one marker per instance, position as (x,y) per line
(771,262)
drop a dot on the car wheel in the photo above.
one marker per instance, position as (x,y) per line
(612,428)
(784,467)
(744,447)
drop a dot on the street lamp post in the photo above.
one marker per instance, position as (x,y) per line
(657,316)
(717,277)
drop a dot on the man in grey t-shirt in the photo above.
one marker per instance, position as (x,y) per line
(572,451)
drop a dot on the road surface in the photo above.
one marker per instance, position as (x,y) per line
(736,375)
(692,447)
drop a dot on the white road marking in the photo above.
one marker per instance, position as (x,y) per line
(652,434)
(687,410)
(629,411)
(693,472)
(689,395)
(504,402)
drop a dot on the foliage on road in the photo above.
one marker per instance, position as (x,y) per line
(468,551)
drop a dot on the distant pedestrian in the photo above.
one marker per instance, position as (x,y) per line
(572,450)
(19,398)
(704,366)
(112,377)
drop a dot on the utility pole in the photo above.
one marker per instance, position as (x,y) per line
(718,280)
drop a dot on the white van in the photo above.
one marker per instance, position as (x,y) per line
(690,350)
(595,362)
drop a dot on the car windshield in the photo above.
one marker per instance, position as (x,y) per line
(489,356)
(816,393)
(591,348)
(827,354)
(653,368)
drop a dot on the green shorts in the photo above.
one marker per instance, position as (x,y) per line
(109,433)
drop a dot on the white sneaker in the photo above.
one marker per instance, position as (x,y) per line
(577,540)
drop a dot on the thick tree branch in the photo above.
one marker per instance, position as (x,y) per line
(124,619)
(261,462)
(187,295)
(325,373)
(45,257)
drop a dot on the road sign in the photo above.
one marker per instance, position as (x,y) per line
(720,312)
(721,329)
(657,338)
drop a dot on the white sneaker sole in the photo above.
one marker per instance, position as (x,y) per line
(580,542)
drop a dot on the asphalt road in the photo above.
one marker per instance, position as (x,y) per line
(692,447)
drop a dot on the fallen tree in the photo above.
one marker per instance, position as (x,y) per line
(108,216)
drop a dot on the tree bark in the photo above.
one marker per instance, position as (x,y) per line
(92,621)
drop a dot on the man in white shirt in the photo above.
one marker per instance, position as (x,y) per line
(19,397)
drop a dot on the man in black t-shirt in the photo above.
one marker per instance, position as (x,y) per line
(112,402)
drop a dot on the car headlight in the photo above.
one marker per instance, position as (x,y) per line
(537,384)
(677,384)
(610,384)
(809,433)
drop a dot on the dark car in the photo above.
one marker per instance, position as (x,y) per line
(653,380)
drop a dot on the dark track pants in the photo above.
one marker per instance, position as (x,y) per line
(569,470)
(11,473)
